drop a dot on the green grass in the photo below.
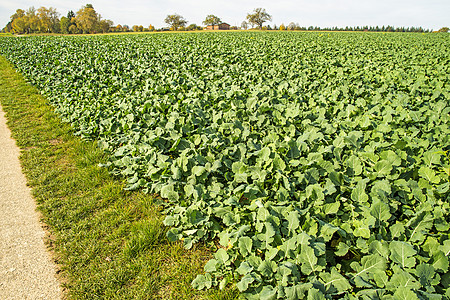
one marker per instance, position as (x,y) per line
(107,242)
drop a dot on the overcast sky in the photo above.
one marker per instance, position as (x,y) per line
(430,14)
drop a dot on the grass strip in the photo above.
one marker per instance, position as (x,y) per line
(107,242)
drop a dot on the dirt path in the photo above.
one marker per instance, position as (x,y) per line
(26,270)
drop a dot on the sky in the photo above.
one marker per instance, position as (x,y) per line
(430,14)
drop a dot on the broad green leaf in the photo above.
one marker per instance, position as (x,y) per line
(419,226)
(425,272)
(446,247)
(211,266)
(397,229)
(402,279)
(268,293)
(359,192)
(335,279)
(369,265)
(294,221)
(297,291)
(198,170)
(308,260)
(244,268)
(440,261)
(315,294)
(380,211)
(267,268)
(403,293)
(354,164)
(202,281)
(402,253)
(379,247)
(383,167)
(429,174)
(245,245)
(222,256)
(391,157)
(243,284)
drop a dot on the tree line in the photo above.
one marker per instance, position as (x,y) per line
(87,20)
(47,20)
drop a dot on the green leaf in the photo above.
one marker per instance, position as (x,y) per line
(308,259)
(354,164)
(337,178)
(210,266)
(202,281)
(169,193)
(222,256)
(331,208)
(402,253)
(397,230)
(379,247)
(198,170)
(297,291)
(425,272)
(369,265)
(359,192)
(342,249)
(243,284)
(380,210)
(383,168)
(267,268)
(402,279)
(293,219)
(419,226)
(391,157)
(403,293)
(445,247)
(245,245)
(244,268)
(315,294)
(440,261)
(268,293)
(335,279)
(429,174)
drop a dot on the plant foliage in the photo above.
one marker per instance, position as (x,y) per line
(317,164)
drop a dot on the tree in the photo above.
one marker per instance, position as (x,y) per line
(175,21)
(192,27)
(48,20)
(31,20)
(151,27)
(443,29)
(87,19)
(18,23)
(212,20)
(282,27)
(64,24)
(244,25)
(259,17)
(70,15)
(105,25)
(291,26)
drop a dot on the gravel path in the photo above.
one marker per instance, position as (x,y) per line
(26,269)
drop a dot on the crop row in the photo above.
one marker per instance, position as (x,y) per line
(317,164)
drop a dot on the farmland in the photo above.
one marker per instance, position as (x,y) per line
(316,164)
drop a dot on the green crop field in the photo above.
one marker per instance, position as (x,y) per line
(314,164)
